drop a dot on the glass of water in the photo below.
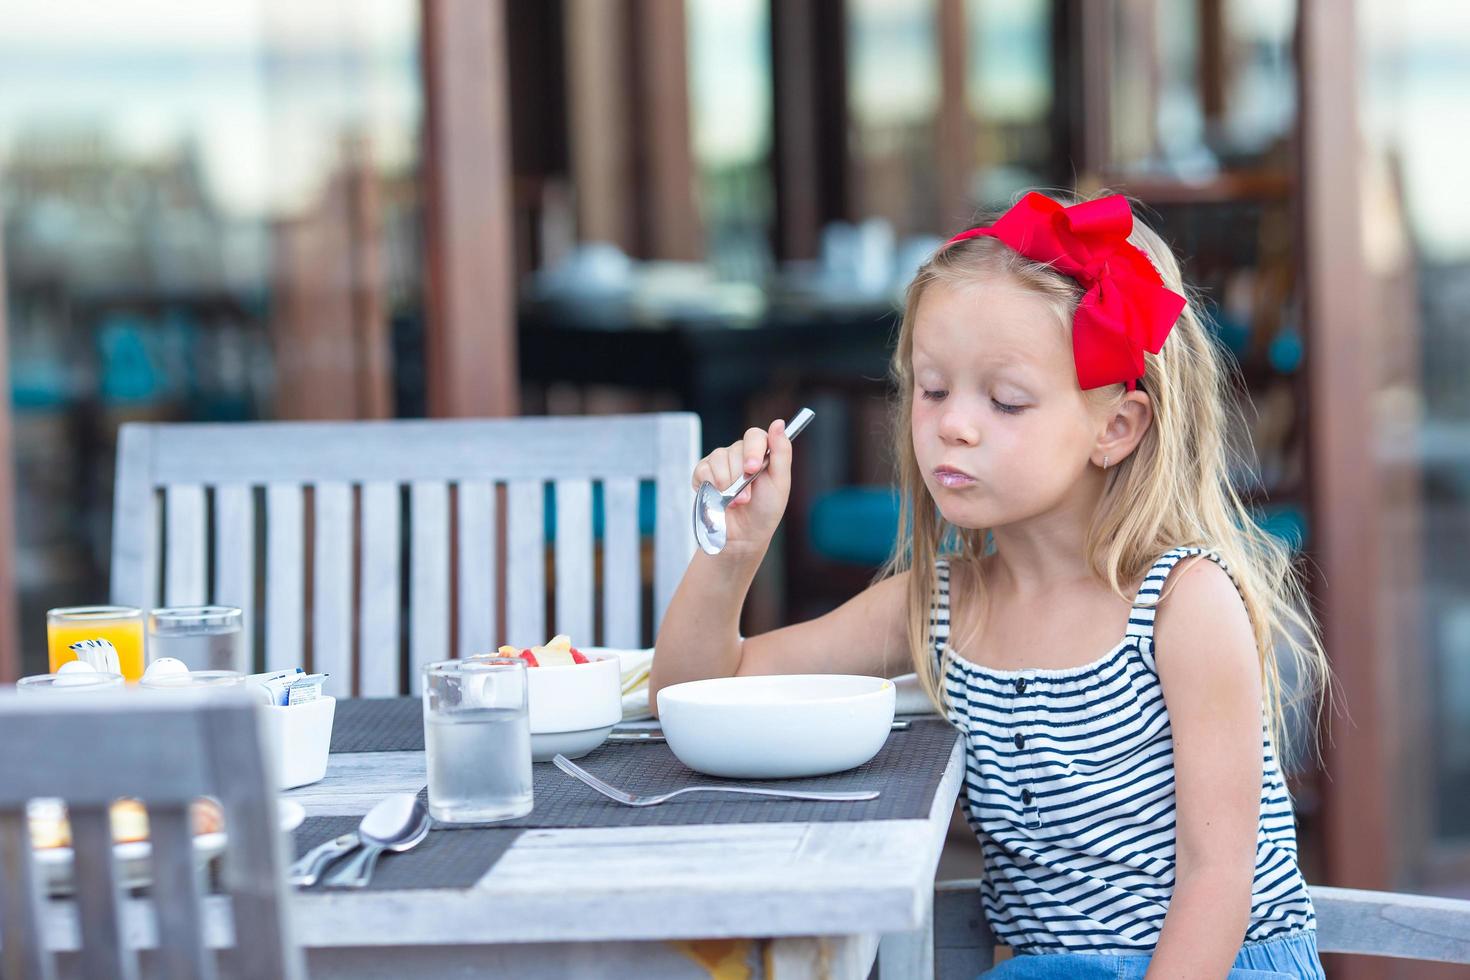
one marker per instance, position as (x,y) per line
(477,736)
(203,637)
(193,679)
(72,682)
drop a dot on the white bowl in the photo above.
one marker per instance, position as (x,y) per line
(574,707)
(777,726)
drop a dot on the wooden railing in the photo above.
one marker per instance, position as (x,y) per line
(1415,927)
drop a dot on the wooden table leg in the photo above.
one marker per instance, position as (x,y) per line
(819,958)
(909,955)
(786,958)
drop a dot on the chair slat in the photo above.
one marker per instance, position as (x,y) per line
(182,953)
(253,873)
(234,560)
(428,619)
(285,575)
(1371,923)
(184,570)
(165,764)
(622,578)
(378,613)
(525,566)
(332,580)
(135,538)
(678,442)
(574,560)
(406,450)
(477,594)
(22,946)
(102,953)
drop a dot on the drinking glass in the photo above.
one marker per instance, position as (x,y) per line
(203,637)
(70,683)
(193,679)
(122,626)
(477,737)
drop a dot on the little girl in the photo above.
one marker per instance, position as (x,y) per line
(1081,593)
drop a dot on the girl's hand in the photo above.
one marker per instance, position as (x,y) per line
(752,516)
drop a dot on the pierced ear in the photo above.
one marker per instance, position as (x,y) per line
(1125,428)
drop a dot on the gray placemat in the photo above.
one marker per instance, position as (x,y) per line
(456,860)
(906,771)
(378,725)
(397,725)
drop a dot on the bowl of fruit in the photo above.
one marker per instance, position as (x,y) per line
(575,698)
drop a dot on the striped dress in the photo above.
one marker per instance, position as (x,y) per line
(1070,788)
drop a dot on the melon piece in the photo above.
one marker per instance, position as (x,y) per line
(528,656)
(555,652)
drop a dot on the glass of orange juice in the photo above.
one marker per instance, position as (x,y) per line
(122,626)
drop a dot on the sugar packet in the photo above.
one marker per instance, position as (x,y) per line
(101,654)
(305,688)
(274,684)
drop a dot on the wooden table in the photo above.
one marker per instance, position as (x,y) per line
(787,899)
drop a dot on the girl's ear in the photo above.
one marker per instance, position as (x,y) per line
(1124,429)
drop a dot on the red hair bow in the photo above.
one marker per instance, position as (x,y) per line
(1126,309)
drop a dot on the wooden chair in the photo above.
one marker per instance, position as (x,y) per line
(1415,927)
(165,749)
(186,503)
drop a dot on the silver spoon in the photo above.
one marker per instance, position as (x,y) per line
(710,503)
(308,868)
(395,823)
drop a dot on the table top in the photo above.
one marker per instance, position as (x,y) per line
(564,885)
(649,882)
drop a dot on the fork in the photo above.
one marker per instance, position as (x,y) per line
(308,868)
(623,796)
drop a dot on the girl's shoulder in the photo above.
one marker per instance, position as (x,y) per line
(1203,637)
(1201,572)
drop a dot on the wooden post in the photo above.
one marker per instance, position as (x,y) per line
(471,330)
(809,107)
(664,153)
(1213,57)
(9,608)
(599,93)
(955,142)
(329,322)
(632,158)
(1346,495)
(371,335)
(1083,48)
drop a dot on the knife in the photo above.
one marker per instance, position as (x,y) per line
(658,736)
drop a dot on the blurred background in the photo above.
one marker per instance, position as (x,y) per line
(402,208)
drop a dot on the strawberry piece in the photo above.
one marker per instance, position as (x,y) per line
(578,657)
(529,658)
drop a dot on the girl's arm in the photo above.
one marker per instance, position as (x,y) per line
(1211,682)
(699,636)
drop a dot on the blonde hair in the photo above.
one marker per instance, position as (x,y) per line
(1173,490)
